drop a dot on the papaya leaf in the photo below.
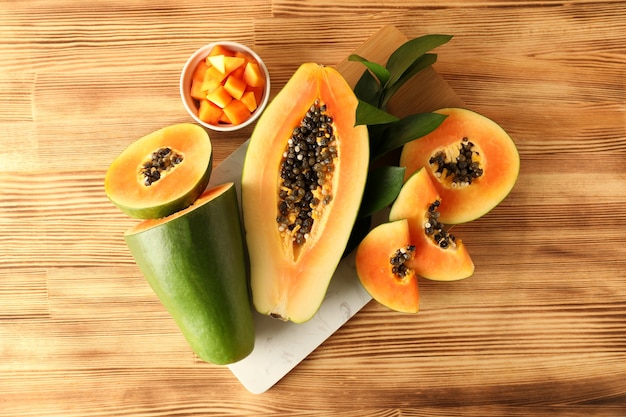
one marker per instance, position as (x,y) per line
(409,52)
(368,89)
(368,114)
(421,63)
(376,136)
(406,130)
(359,231)
(381,73)
(381,189)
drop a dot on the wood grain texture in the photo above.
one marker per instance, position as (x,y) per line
(540,329)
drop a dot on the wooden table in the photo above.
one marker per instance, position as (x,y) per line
(539,329)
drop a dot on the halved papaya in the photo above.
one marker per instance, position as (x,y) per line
(195,262)
(472,161)
(302,184)
(162,172)
(439,255)
(381,265)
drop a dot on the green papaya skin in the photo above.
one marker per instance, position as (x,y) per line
(195,262)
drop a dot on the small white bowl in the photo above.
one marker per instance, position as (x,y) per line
(187,76)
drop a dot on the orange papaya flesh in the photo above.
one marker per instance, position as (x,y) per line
(162,172)
(439,255)
(301,192)
(195,262)
(381,265)
(472,161)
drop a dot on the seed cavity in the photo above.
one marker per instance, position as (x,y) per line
(157,164)
(399,259)
(460,164)
(436,230)
(305,176)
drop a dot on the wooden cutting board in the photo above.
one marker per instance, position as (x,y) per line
(281,346)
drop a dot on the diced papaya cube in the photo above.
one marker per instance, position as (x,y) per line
(242,54)
(235,86)
(226,64)
(209,84)
(232,63)
(213,72)
(219,96)
(209,112)
(224,118)
(218,61)
(220,50)
(200,70)
(258,93)
(196,90)
(253,75)
(249,100)
(237,112)
(239,72)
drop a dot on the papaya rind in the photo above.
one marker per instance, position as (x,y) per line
(195,262)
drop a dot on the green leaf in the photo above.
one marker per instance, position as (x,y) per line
(382,187)
(409,52)
(421,63)
(407,129)
(368,89)
(367,114)
(360,229)
(381,73)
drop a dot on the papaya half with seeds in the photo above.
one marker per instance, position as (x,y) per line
(162,172)
(195,262)
(302,183)
(439,255)
(381,265)
(472,161)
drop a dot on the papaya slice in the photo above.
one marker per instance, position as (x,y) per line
(195,262)
(472,161)
(439,255)
(302,183)
(162,172)
(381,265)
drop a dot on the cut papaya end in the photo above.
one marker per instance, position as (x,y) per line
(194,260)
(439,254)
(472,184)
(182,157)
(237,112)
(381,265)
(292,264)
